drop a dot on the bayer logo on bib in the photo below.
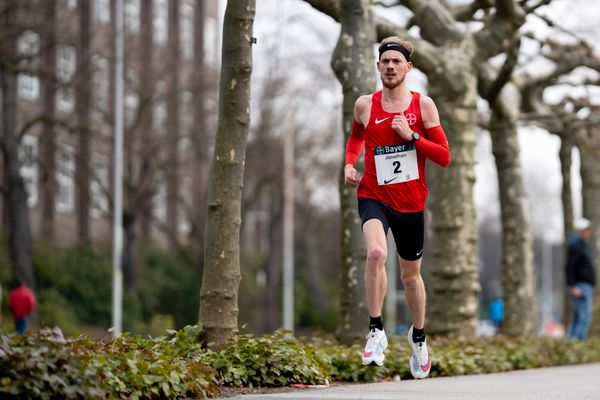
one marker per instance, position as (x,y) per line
(396,163)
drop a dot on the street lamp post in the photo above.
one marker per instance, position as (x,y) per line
(117,249)
(288,226)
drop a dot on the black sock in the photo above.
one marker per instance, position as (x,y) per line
(375,323)
(418,335)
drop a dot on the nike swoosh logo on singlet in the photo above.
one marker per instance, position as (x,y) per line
(385,182)
(378,121)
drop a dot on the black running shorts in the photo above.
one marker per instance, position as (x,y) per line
(408,228)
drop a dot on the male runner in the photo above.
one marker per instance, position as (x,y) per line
(400,129)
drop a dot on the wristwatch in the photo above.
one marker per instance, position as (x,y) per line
(415,137)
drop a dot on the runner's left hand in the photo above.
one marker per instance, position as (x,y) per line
(400,125)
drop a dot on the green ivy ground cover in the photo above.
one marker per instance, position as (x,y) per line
(46,365)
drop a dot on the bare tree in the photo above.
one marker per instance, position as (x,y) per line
(562,119)
(517,243)
(14,191)
(221,274)
(352,61)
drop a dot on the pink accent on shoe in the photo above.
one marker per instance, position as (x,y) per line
(426,367)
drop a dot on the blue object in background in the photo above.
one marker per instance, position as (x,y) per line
(496,311)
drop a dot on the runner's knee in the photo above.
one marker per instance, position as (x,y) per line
(376,255)
(410,281)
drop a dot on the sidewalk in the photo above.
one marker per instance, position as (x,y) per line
(581,382)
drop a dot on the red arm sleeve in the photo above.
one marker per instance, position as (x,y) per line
(356,142)
(435,146)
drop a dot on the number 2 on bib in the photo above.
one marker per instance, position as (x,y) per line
(396,164)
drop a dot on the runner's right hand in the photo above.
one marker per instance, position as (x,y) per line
(350,176)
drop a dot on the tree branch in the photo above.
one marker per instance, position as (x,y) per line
(30,124)
(424,56)
(566,57)
(495,37)
(386,4)
(552,24)
(327,7)
(436,23)
(504,75)
(505,8)
(465,12)
(532,8)
(542,120)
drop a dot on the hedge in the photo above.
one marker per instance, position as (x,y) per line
(44,364)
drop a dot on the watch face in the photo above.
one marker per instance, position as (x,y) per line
(415,136)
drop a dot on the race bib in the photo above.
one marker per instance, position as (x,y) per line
(396,163)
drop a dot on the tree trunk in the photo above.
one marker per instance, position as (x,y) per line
(172,170)
(565,156)
(84,161)
(454,286)
(353,63)
(19,230)
(221,275)
(200,137)
(47,138)
(144,134)
(517,246)
(590,186)
(271,317)
(130,253)
(566,160)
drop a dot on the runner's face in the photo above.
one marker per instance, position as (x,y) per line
(393,68)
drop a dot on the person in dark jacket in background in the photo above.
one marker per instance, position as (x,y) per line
(581,279)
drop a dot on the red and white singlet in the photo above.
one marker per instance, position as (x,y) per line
(394,168)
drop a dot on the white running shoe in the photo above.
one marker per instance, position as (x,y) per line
(376,345)
(420,361)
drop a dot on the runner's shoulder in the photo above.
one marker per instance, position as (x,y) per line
(429,110)
(363,104)
(427,103)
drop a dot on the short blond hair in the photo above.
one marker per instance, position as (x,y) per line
(397,39)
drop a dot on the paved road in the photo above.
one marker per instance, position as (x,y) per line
(581,382)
